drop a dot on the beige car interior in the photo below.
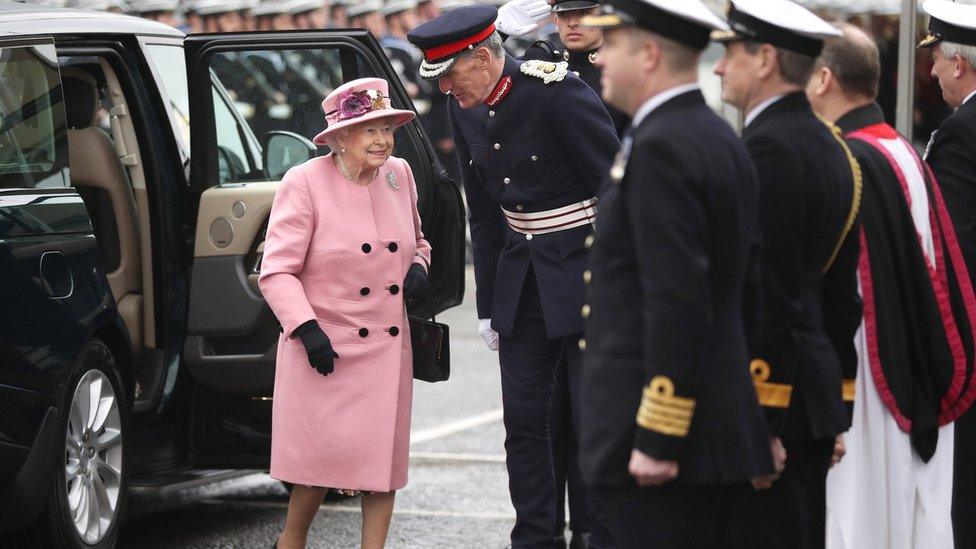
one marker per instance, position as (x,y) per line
(105,168)
(230,222)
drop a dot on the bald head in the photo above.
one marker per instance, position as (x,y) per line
(854,61)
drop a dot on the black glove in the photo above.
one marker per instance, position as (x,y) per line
(321,355)
(415,284)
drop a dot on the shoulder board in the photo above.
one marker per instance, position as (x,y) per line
(547,71)
(546,48)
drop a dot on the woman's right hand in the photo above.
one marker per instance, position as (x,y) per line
(321,355)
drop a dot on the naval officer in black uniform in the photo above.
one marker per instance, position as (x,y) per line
(671,431)
(534,144)
(809,198)
(952,155)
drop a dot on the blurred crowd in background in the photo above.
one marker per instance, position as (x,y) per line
(267,86)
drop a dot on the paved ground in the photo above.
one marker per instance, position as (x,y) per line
(457,496)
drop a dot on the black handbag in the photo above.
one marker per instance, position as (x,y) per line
(431,350)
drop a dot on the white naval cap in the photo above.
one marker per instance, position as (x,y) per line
(296,7)
(687,21)
(98,5)
(215,7)
(393,7)
(362,8)
(153,6)
(782,23)
(270,7)
(951,22)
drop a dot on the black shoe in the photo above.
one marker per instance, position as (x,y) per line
(580,541)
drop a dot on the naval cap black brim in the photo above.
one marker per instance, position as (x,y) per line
(617,14)
(574,5)
(940,30)
(746,27)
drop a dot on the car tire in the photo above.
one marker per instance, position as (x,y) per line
(87,493)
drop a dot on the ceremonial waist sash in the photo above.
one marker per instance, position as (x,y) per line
(555,220)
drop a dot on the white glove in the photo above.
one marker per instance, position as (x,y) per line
(520,17)
(490,336)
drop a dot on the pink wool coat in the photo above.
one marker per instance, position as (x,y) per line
(338,252)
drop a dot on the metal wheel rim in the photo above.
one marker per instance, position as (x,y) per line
(93,457)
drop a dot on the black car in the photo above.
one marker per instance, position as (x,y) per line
(136,351)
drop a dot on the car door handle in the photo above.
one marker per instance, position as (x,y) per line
(56,277)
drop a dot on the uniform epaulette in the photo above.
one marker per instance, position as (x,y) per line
(546,48)
(548,71)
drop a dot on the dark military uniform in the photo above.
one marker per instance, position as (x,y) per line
(807,200)
(582,64)
(532,158)
(544,147)
(952,155)
(666,339)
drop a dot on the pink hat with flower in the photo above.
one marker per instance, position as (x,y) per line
(358,101)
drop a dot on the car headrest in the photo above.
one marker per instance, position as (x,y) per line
(80,97)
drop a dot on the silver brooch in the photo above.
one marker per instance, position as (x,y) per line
(391,180)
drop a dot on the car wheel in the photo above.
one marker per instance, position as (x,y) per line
(88,489)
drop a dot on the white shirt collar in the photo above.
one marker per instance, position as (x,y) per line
(968,97)
(758,109)
(656,101)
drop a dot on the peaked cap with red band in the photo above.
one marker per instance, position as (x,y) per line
(443,39)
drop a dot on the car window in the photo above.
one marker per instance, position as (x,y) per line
(282,91)
(33,142)
(170,64)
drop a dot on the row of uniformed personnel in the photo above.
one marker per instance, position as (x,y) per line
(721,281)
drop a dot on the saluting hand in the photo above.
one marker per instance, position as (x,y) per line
(318,347)
(649,471)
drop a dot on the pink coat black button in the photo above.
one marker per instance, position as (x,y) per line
(363,332)
(394,289)
(394,331)
(364,291)
(392,246)
(367,248)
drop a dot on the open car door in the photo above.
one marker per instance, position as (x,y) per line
(254,101)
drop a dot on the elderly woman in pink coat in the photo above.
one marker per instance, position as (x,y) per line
(344,249)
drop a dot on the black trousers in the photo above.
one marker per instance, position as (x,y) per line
(964,481)
(565,459)
(669,517)
(528,365)
(792,513)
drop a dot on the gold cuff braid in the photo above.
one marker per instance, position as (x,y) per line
(771,395)
(663,412)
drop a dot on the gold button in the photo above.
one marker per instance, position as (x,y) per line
(491,114)
(470,162)
(498,147)
(582,344)
(587,276)
(588,242)
(518,207)
(507,180)
(528,237)
(586,311)
(535,158)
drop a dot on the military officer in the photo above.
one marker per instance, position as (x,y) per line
(952,41)
(671,431)
(534,143)
(809,197)
(578,46)
(367,15)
